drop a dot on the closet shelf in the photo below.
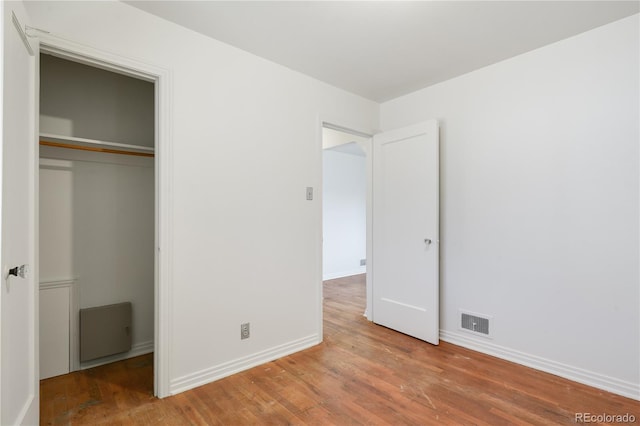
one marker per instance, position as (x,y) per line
(71,142)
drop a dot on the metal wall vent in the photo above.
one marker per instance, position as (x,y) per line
(474,323)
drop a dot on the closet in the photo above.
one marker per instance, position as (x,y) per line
(96,216)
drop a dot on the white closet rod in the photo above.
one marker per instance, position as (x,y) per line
(82,144)
(70,139)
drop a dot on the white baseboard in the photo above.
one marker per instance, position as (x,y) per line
(136,350)
(214,373)
(342,274)
(600,381)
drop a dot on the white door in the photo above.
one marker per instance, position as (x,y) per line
(19,343)
(405,277)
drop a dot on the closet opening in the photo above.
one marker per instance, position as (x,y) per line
(97,212)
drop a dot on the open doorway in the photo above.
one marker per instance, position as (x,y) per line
(402,180)
(97,215)
(344,211)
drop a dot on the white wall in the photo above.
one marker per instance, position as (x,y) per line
(56,223)
(55,333)
(344,209)
(540,204)
(57,322)
(245,141)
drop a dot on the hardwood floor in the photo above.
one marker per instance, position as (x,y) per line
(360,374)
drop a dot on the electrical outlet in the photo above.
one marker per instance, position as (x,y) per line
(244,331)
(363,262)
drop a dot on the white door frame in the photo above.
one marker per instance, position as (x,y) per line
(161,78)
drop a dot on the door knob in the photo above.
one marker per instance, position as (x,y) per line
(427,241)
(21,271)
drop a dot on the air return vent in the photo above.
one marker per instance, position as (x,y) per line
(105,330)
(475,323)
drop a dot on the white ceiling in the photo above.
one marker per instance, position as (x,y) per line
(384,49)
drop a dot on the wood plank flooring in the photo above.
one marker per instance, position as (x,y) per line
(360,374)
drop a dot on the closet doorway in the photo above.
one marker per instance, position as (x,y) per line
(97,215)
